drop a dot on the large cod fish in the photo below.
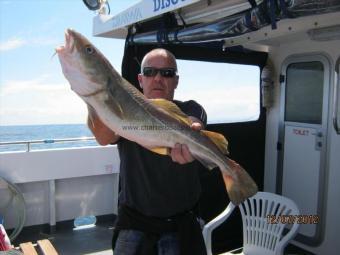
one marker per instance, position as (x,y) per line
(156,124)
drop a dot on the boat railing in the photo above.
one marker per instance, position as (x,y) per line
(29,143)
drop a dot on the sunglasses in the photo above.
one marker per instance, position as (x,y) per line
(165,72)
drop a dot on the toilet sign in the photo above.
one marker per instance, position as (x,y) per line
(297,131)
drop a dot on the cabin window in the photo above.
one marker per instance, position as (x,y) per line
(228,92)
(304,78)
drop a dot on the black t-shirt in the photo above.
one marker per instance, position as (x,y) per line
(153,184)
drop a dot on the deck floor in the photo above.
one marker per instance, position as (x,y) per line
(95,240)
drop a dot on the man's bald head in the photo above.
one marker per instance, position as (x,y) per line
(159,52)
(158,84)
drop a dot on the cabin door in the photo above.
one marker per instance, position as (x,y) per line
(303,136)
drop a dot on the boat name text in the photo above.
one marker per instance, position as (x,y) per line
(162,4)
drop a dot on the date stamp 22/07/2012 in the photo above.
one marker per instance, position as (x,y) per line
(291,219)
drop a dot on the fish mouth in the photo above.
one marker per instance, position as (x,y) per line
(69,42)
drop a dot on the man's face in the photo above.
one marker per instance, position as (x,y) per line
(158,86)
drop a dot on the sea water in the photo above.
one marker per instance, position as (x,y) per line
(48,133)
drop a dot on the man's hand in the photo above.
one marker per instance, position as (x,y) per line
(180,153)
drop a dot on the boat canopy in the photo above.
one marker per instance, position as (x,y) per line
(197,21)
(193,11)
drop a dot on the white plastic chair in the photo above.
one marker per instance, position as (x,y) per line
(264,218)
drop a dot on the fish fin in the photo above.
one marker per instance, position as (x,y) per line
(172,109)
(160,150)
(218,139)
(91,112)
(240,186)
(115,108)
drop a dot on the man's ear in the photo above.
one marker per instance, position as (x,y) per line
(140,81)
(177,79)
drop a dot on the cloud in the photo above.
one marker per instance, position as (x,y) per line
(17,42)
(230,104)
(15,87)
(12,44)
(40,101)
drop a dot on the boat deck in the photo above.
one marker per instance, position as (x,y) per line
(68,241)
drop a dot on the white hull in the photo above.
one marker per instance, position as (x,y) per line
(63,184)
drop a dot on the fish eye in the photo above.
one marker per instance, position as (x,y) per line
(89,49)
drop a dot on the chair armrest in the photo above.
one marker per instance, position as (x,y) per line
(211,225)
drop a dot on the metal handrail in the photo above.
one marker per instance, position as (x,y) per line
(28,143)
(337,99)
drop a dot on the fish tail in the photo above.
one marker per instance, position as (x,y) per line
(240,186)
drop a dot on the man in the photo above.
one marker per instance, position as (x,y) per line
(158,193)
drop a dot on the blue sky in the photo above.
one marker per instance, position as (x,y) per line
(32,87)
(34,91)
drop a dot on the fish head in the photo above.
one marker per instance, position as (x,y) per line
(83,65)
